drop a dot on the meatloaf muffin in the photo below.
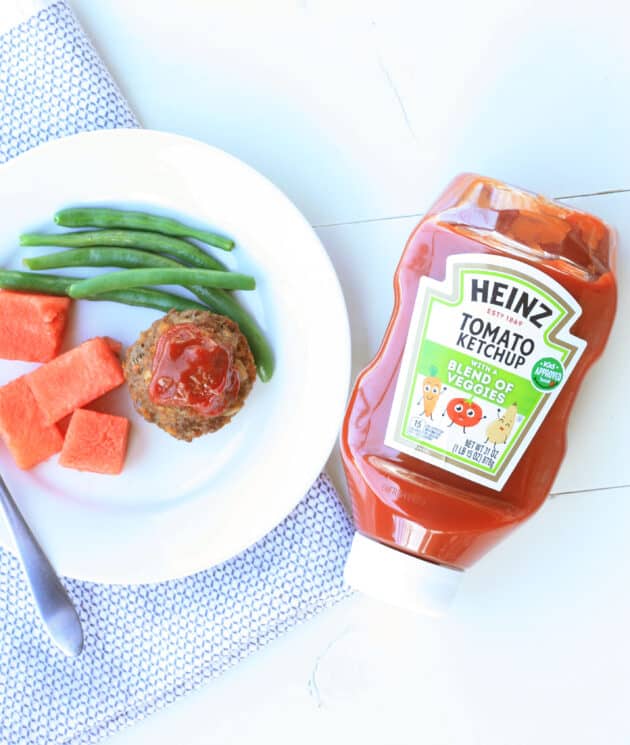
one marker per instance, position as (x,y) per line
(190,372)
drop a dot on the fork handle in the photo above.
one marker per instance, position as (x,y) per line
(51,599)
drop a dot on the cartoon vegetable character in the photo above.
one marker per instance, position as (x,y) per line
(498,432)
(432,388)
(463,412)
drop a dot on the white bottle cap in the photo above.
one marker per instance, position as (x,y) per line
(399,578)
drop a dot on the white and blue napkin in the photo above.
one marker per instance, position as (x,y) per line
(144,645)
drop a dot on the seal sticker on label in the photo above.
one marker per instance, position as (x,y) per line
(488,351)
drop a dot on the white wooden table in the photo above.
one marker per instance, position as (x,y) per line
(361,113)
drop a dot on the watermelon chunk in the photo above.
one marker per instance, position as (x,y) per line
(31,326)
(22,427)
(75,378)
(95,442)
(113,344)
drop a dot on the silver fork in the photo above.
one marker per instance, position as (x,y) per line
(53,604)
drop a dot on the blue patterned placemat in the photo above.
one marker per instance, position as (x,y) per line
(53,83)
(149,644)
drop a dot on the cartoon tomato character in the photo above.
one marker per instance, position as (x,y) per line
(464,413)
(431,390)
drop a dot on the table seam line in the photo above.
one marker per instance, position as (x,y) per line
(591,489)
(386,218)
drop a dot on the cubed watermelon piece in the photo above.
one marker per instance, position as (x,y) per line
(22,427)
(95,442)
(31,326)
(113,344)
(75,378)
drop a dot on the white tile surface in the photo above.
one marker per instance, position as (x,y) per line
(303,100)
(522,89)
(369,111)
(534,650)
(363,112)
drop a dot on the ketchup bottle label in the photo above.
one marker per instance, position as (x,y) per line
(487,353)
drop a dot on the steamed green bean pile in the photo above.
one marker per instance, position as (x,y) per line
(150,250)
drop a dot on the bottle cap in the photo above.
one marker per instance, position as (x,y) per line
(399,578)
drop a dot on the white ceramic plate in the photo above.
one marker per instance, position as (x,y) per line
(178,508)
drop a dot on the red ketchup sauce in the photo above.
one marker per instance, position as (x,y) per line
(455,432)
(192,369)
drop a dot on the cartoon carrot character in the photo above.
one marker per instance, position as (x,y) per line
(432,388)
(498,432)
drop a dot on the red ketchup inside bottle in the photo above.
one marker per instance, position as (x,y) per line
(455,432)
(192,369)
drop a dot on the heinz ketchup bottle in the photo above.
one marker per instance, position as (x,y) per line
(455,431)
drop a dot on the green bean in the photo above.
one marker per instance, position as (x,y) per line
(153,242)
(129,258)
(141,277)
(104,217)
(218,301)
(47,284)
(52,284)
(149,298)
